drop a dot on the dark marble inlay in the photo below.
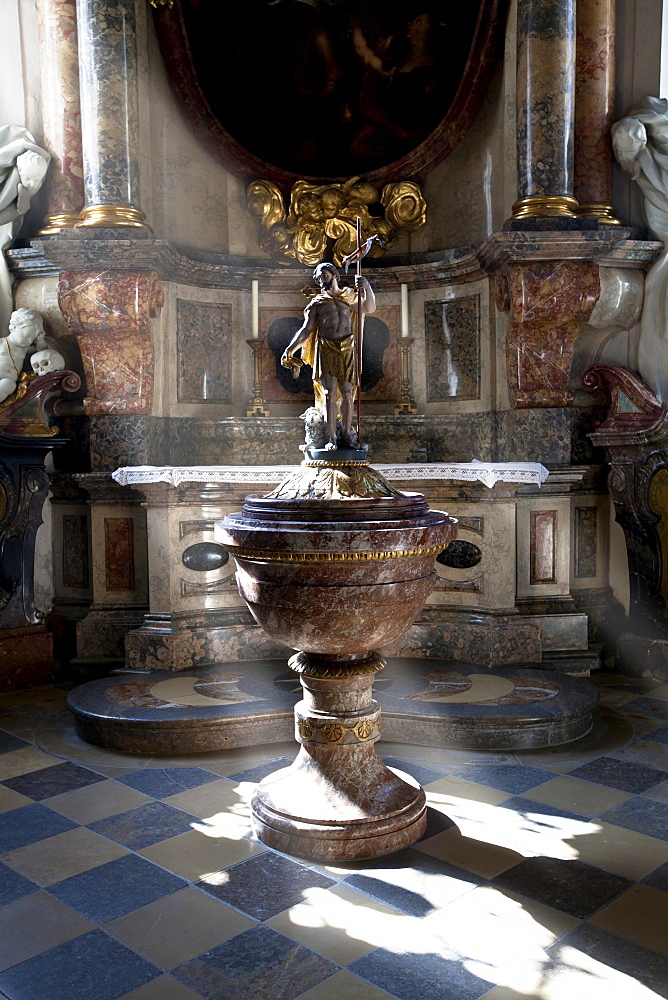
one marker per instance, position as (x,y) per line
(659,735)
(203,557)
(535,811)
(420,977)
(460,554)
(115,888)
(643,815)
(413,882)
(618,953)
(53,781)
(573,886)
(265,885)
(93,965)
(145,825)
(621,774)
(13,885)
(258,964)
(28,824)
(160,782)
(452,332)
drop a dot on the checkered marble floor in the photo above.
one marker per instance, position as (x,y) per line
(542,874)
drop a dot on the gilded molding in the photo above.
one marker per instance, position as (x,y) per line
(334,733)
(540,206)
(320,223)
(271,555)
(110,216)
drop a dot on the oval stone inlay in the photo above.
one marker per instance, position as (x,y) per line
(204,556)
(460,554)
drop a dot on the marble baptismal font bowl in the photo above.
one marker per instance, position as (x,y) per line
(336,578)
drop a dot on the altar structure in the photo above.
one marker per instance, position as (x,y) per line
(171,259)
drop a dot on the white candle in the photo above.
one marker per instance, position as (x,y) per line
(255,310)
(405,332)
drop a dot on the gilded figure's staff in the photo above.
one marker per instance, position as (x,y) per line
(356,257)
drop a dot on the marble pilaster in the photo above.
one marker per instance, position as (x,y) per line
(110,113)
(545,108)
(61,113)
(548,302)
(109,312)
(594,106)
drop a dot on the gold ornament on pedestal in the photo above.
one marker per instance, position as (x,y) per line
(321,218)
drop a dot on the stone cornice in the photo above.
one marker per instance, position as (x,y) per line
(614,246)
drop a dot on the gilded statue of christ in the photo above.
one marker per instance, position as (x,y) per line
(326,339)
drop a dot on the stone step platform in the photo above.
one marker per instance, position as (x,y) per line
(246,703)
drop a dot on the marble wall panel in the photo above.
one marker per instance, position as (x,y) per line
(119,553)
(543,547)
(203,365)
(452,338)
(128,440)
(541,435)
(490,527)
(203,339)
(452,349)
(75,556)
(586,539)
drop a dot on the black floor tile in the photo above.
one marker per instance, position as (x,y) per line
(116,888)
(160,782)
(10,742)
(658,879)
(659,735)
(28,824)
(92,966)
(621,774)
(535,810)
(418,771)
(514,778)
(420,977)
(260,963)
(642,815)
(13,885)
(54,780)
(266,884)
(256,774)
(414,882)
(642,964)
(573,886)
(654,709)
(146,825)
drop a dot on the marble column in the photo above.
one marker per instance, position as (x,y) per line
(545,108)
(61,113)
(594,106)
(109,113)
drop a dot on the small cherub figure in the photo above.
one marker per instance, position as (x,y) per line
(25,328)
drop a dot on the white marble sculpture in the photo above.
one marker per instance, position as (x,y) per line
(25,328)
(23,166)
(48,360)
(640,142)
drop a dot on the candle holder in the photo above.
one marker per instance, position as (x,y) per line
(256,406)
(405,403)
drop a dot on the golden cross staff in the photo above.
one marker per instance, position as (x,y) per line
(356,257)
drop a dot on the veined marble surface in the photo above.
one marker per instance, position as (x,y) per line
(488,473)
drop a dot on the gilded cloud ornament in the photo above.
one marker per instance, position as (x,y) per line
(320,220)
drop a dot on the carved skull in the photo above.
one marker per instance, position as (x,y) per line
(47,361)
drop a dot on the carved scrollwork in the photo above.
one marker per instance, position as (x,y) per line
(320,221)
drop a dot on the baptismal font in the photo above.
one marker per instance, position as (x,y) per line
(334,563)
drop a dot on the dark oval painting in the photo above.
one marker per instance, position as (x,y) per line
(327,89)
